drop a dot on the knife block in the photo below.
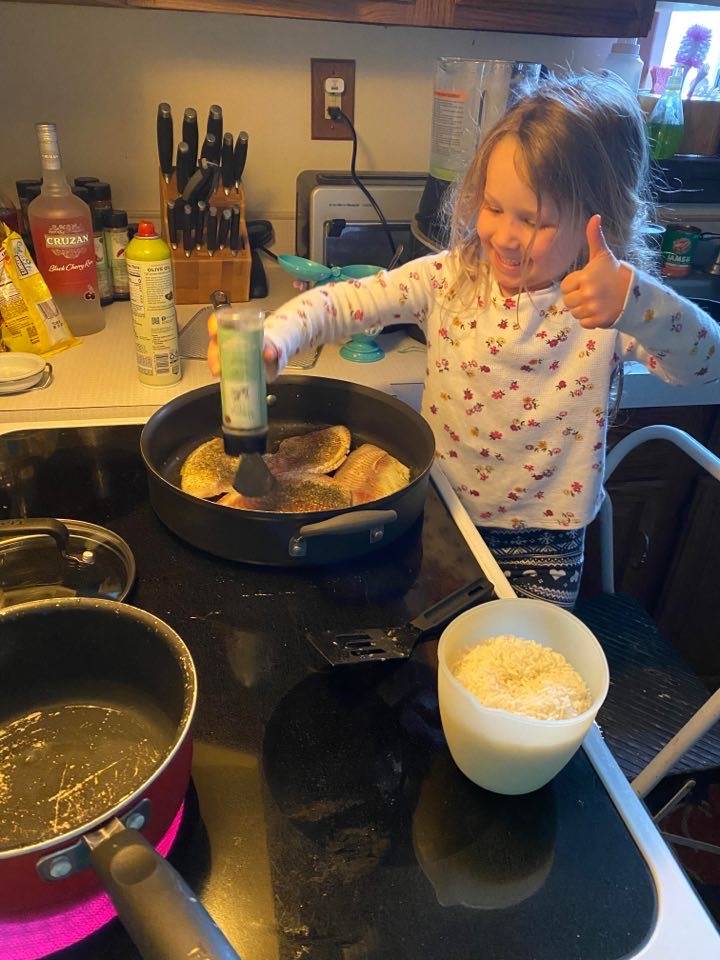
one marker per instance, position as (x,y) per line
(198,275)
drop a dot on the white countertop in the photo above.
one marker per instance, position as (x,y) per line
(98,378)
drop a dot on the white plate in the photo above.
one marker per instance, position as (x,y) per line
(20,371)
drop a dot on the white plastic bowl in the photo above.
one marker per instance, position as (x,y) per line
(506,752)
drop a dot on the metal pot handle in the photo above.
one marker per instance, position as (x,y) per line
(157,908)
(28,526)
(373,521)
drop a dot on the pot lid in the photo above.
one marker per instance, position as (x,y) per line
(43,558)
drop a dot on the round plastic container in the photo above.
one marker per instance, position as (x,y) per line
(506,752)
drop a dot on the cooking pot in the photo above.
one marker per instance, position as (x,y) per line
(96,703)
(300,404)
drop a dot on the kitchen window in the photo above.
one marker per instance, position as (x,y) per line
(670,22)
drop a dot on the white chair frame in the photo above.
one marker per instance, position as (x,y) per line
(709,713)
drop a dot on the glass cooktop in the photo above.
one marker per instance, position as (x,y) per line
(331,822)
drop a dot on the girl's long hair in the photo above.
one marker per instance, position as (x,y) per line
(583,142)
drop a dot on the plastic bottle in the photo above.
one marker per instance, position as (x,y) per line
(242,381)
(152,300)
(623,61)
(62,236)
(665,125)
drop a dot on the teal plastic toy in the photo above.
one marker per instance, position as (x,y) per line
(362,348)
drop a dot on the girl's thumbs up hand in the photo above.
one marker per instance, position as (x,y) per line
(596,294)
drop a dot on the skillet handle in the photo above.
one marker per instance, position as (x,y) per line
(373,521)
(33,525)
(160,912)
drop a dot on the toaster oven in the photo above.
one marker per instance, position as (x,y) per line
(335,223)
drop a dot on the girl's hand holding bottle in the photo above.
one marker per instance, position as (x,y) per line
(596,294)
(270,354)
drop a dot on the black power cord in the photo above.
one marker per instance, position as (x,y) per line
(337,114)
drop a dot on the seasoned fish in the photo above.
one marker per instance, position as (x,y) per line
(319,452)
(294,495)
(208,471)
(370,473)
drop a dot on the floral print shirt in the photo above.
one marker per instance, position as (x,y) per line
(516,390)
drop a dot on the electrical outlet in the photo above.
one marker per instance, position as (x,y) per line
(332,84)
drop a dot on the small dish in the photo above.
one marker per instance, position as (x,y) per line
(20,372)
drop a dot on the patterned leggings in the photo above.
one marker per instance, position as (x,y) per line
(546,564)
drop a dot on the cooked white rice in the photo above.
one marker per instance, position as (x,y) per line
(510,673)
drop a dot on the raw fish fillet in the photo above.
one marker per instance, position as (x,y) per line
(370,473)
(208,471)
(319,452)
(294,495)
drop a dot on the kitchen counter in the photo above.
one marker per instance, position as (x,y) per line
(98,379)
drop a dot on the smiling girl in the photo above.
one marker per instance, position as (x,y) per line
(544,291)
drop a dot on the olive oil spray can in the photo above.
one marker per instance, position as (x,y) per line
(152,299)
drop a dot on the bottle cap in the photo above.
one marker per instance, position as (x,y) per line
(23,185)
(100,190)
(98,220)
(115,218)
(629,45)
(146,229)
(84,181)
(82,192)
(32,191)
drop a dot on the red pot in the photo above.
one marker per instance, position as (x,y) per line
(99,685)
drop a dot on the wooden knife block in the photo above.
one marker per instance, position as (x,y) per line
(198,275)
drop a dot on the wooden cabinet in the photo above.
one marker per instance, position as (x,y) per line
(585,18)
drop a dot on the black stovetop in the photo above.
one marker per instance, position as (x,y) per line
(333,824)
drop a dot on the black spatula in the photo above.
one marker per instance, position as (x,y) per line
(364,646)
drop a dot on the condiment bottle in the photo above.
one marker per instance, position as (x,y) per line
(62,236)
(101,261)
(152,300)
(115,230)
(24,198)
(665,126)
(100,194)
(242,379)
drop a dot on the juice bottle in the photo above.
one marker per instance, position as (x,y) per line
(666,125)
(62,235)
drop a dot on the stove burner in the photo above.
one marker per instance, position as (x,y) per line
(38,936)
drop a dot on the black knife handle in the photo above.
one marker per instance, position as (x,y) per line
(235,230)
(190,136)
(226,163)
(165,139)
(215,122)
(181,165)
(210,149)
(240,157)
(224,227)
(200,223)
(441,613)
(211,241)
(195,187)
(172,223)
(188,219)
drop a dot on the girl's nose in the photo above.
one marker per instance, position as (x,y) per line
(507,233)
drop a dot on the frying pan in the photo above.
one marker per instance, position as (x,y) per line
(301,404)
(96,703)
